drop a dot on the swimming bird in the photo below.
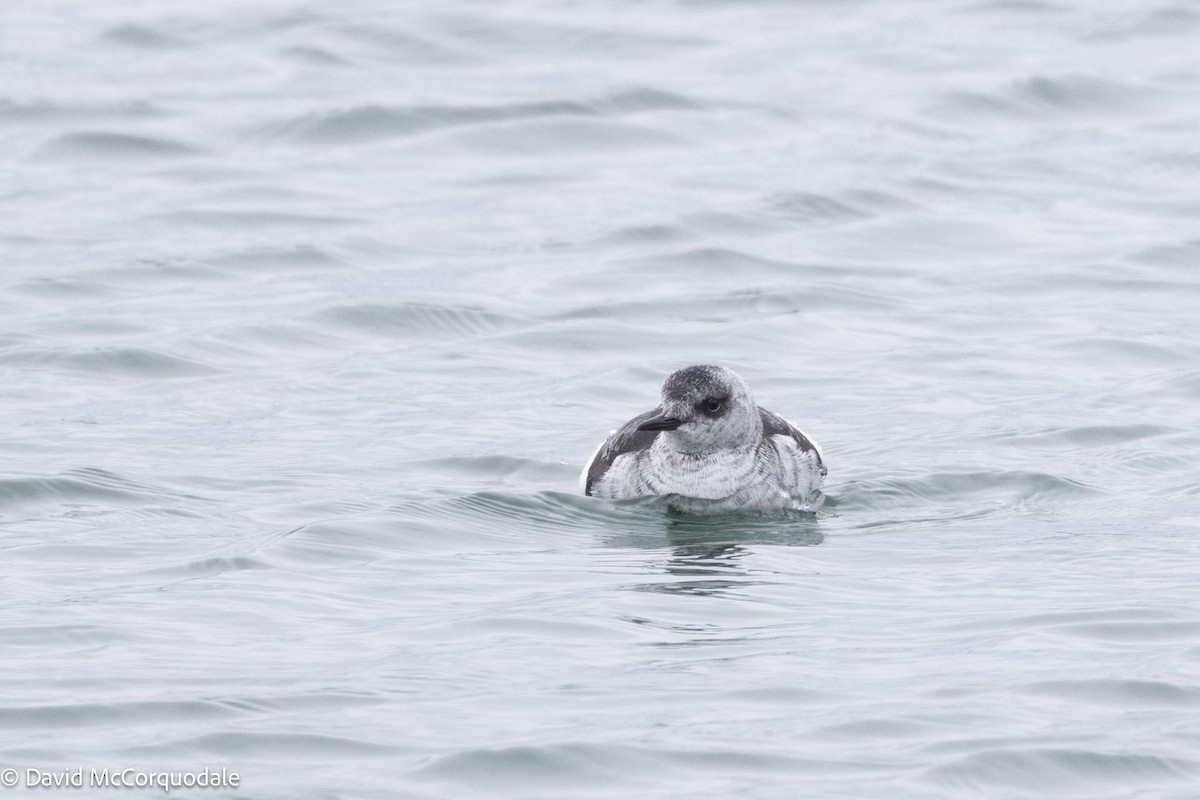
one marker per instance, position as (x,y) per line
(708,447)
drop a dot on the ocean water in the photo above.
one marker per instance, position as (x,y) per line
(311,313)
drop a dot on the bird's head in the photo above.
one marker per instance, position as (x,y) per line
(704,409)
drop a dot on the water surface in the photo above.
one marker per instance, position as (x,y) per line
(310,315)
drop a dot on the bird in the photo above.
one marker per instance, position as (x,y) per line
(708,447)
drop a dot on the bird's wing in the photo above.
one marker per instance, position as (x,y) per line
(775,425)
(626,439)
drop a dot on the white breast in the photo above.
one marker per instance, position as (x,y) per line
(712,477)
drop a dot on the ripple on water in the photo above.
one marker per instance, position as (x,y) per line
(741,307)
(554,515)
(737,288)
(479,520)
(247,219)
(1044,96)
(809,207)
(122,363)
(315,56)
(1085,436)
(1115,625)
(424,320)
(283,259)
(987,491)
(141,37)
(638,236)
(1183,256)
(610,765)
(232,745)
(1167,20)
(46,110)
(107,714)
(387,44)
(530,37)
(65,288)
(83,486)
(493,471)
(1074,771)
(1187,383)
(280,336)
(1125,694)
(218,565)
(105,144)
(1106,348)
(538,137)
(377,122)
(733,265)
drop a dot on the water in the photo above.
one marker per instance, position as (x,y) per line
(310,314)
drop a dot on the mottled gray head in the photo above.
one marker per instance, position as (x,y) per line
(704,409)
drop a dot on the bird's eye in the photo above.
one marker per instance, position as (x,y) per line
(712,405)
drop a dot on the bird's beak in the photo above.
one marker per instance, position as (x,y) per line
(660,422)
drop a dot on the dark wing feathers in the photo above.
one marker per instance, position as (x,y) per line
(775,425)
(627,439)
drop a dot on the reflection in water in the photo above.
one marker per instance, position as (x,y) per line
(703,558)
(706,551)
(743,530)
(704,588)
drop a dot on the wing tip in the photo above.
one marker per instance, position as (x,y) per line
(584,486)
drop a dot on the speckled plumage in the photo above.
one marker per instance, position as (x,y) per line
(708,447)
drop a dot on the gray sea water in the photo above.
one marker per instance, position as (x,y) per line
(310,314)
